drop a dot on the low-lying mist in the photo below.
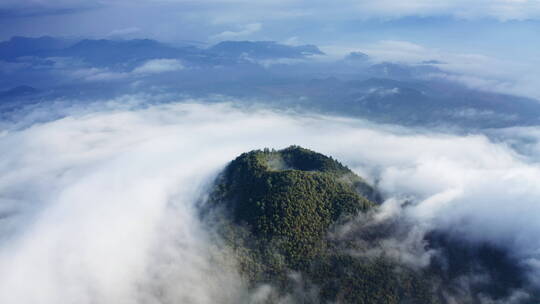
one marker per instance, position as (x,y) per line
(99,206)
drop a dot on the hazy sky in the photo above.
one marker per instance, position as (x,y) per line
(480,25)
(493,43)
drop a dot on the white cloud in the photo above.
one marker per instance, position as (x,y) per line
(97,74)
(247,30)
(499,9)
(94,74)
(99,206)
(517,76)
(292,41)
(156,66)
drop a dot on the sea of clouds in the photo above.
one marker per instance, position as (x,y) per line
(97,205)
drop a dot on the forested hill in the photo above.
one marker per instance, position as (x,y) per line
(303,223)
(280,207)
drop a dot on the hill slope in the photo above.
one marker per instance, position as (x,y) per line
(279,208)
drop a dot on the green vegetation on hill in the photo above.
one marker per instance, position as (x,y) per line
(279,207)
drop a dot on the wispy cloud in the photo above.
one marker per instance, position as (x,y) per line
(94,74)
(247,30)
(156,66)
(36,8)
(500,9)
(475,70)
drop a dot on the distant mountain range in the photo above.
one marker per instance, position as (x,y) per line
(104,52)
(272,73)
(263,50)
(39,47)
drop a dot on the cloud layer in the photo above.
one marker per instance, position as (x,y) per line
(99,206)
(475,70)
(500,9)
